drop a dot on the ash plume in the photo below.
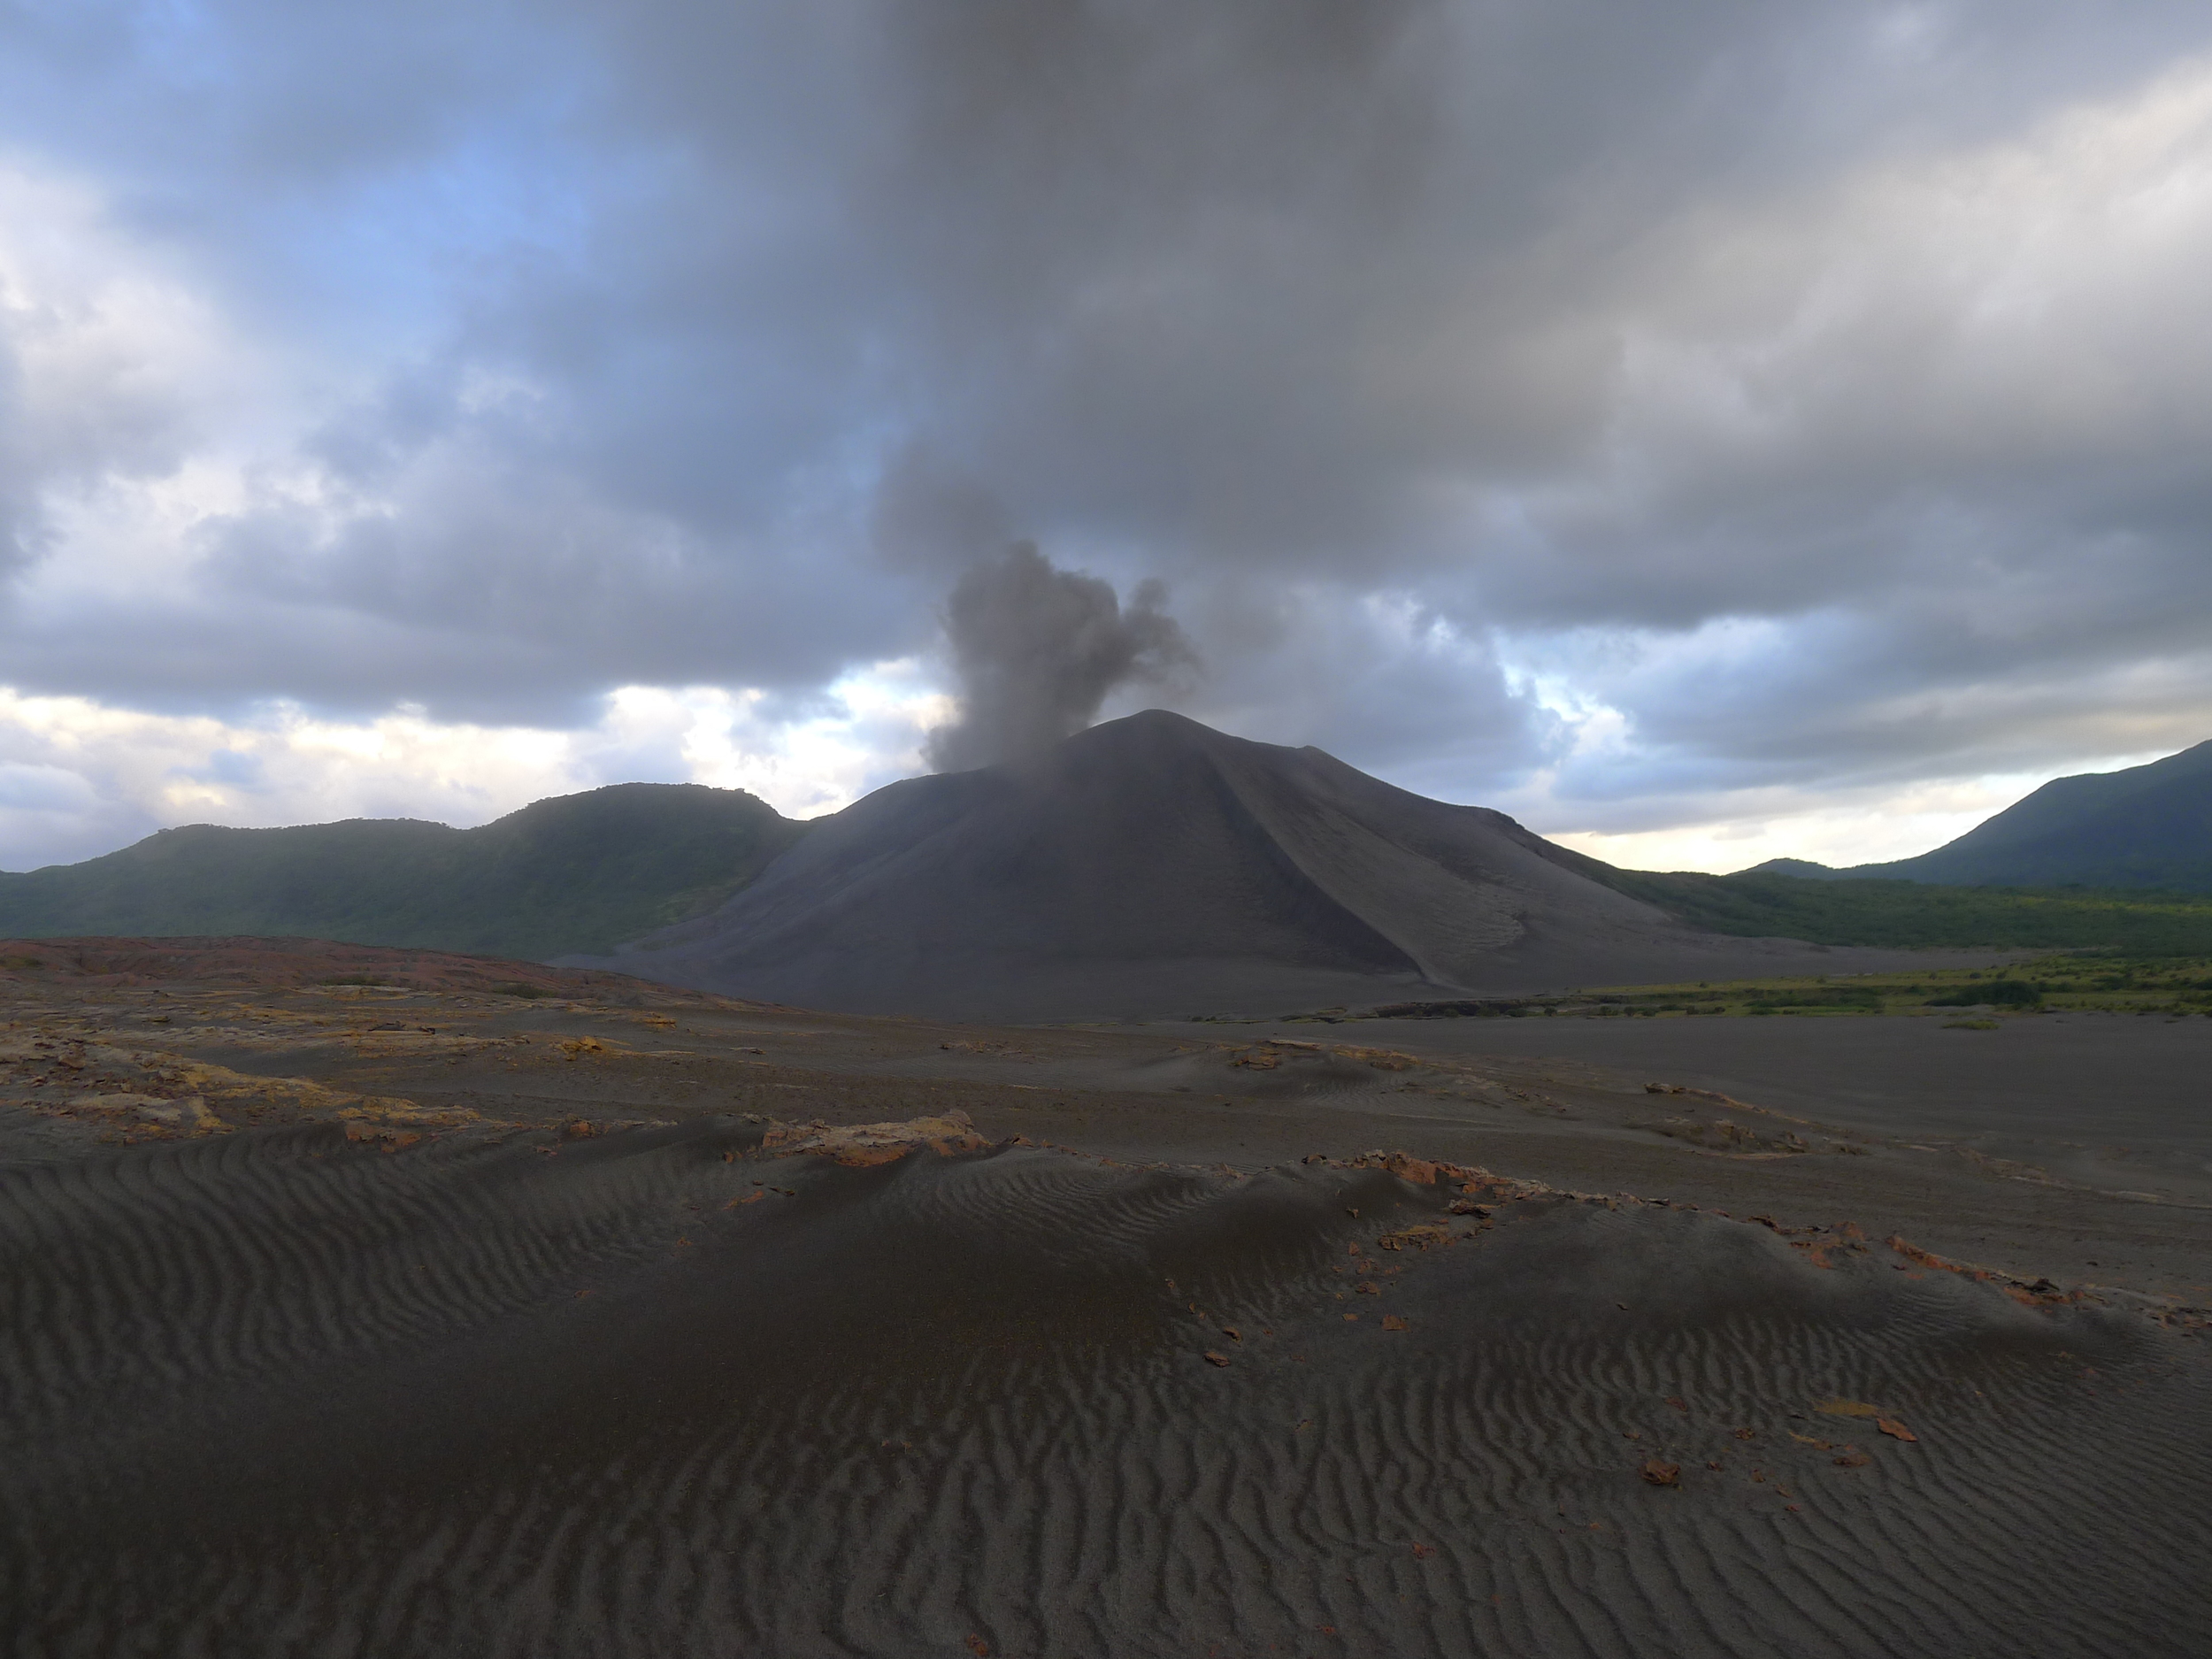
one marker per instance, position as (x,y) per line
(1037,650)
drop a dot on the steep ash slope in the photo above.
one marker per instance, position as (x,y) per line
(1154,865)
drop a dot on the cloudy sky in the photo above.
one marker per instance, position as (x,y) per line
(1708,429)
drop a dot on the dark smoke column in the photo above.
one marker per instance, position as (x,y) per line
(1037,650)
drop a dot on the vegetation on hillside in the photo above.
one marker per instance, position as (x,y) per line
(2140,828)
(1910,913)
(578,873)
(2074,982)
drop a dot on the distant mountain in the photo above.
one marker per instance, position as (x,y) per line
(576,872)
(1803,870)
(2147,826)
(1153,865)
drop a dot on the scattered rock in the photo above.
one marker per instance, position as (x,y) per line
(1841,1408)
(1382,1059)
(1421,1236)
(1406,1167)
(860,1145)
(188,1116)
(1658,1474)
(384,1137)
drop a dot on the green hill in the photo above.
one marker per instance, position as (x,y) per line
(2144,826)
(579,872)
(1912,914)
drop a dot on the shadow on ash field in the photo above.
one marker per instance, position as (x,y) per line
(438,1319)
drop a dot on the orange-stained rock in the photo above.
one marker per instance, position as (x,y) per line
(861,1144)
(1841,1408)
(1420,1236)
(1382,1059)
(383,1136)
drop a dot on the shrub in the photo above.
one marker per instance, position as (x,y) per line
(1996,992)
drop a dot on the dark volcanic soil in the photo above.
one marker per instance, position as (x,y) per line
(435,1319)
(685,1399)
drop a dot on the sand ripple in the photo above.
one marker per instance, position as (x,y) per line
(654,1393)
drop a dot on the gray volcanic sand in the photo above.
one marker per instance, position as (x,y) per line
(492,1385)
(2143,1083)
(2076,1147)
(273,1393)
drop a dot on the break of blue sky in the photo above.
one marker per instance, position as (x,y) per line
(1708,431)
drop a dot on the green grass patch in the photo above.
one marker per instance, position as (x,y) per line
(1996,992)
(2072,981)
(1912,914)
(2081,982)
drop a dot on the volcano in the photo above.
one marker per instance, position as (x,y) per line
(1151,866)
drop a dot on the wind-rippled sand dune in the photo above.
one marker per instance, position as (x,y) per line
(674,1391)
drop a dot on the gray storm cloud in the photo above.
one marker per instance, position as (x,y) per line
(1037,650)
(1431,348)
